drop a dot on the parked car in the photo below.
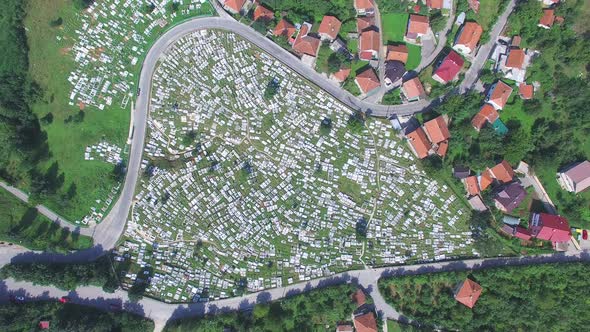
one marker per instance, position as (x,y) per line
(17,299)
(64,299)
(585,234)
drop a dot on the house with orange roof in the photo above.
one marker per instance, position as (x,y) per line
(262,13)
(502,172)
(369,44)
(419,143)
(526,91)
(471,185)
(547,19)
(284,29)
(365,22)
(413,90)
(514,64)
(365,322)
(367,81)
(341,75)
(397,53)
(364,7)
(499,94)
(487,114)
(439,4)
(329,28)
(305,44)
(468,292)
(233,6)
(468,38)
(437,130)
(417,27)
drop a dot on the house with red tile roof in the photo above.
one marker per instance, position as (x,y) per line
(44,325)
(468,292)
(364,7)
(284,29)
(418,26)
(419,143)
(341,75)
(365,322)
(474,5)
(367,81)
(550,227)
(522,233)
(369,44)
(526,91)
(329,28)
(575,178)
(515,58)
(262,13)
(449,68)
(233,6)
(397,53)
(514,64)
(439,4)
(359,297)
(305,44)
(499,94)
(365,22)
(412,89)
(485,180)
(468,38)
(547,19)
(344,327)
(502,172)
(487,114)
(471,185)
(437,130)
(510,197)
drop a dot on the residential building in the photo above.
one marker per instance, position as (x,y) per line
(417,27)
(419,143)
(514,64)
(468,37)
(437,130)
(487,114)
(329,28)
(477,203)
(517,231)
(339,46)
(262,13)
(365,22)
(305,44)
(359,297)
(413,90)
(499,94)
(550,227)
(449,68)
(575,178)
(471,185)
(369,44)
(502,172)
(284,29)
(394,71)
(510,197)
(547,19)
(365,322)
(344,327)
(233,6)
(485,180)
(461,172)
(397,53)
(474,5)
(364,7)
(468,292)
(439,4)
(341,75)
(44,325)
(526,91)
(367,81)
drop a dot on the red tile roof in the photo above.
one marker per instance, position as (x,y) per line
(515,58)
(443,147)
(365,323)
(284,28)
(437,130)
(305,44)
(364,4)
(364,22)
(359,297)
(485,180)
(413,88)
(548,18)
(500,94)
(235,5)
(342,74)
(486,113)
(419,142)
(418,24)
(263,12)
(550,227)
(470,35)
(44,325)
(450,67)
(330,26)
(471,185)
(522,233)
(503,172)
(468,293)
(526,91)
(369,43)
(435,4)
(367,80)
(397,53)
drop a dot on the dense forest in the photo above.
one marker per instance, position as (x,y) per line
(318,310)
(550,297)
(65,276)
(68,317)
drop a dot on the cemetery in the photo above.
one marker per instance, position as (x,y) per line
(252,178)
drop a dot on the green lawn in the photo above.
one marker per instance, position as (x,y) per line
(393,26)
(21,224)
(414,56)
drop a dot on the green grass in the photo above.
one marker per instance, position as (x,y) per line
(414,56)
(23,225)
(393,26)
(322,59)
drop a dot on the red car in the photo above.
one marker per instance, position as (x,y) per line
(64,299)
(585,234)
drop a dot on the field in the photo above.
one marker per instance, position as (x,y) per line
(22,225)
(85,120)
(393,26)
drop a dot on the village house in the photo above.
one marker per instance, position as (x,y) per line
(449,68)
(550,227)
(461,172)
(467,38)
(397,53)
(510,197)
(474,5)
(514,65)
(438,134)
(341,75)
(476,203)
(471,185)
(417,28)
(394,72)
(233,6)
(502,172)
(365,322)
(285,29)
(467,293)
(369,44)
(329,28)
(364,7)
(499,94)
(367,81)
(439,4)
(413,90)
(364,23)
(487,114)
(575,178)
(485,179)
(306,46)
(344,327)
(526,91)
(547,19)
(516,231)
(419,143)
(262,13)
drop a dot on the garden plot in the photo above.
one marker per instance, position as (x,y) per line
(242,192)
